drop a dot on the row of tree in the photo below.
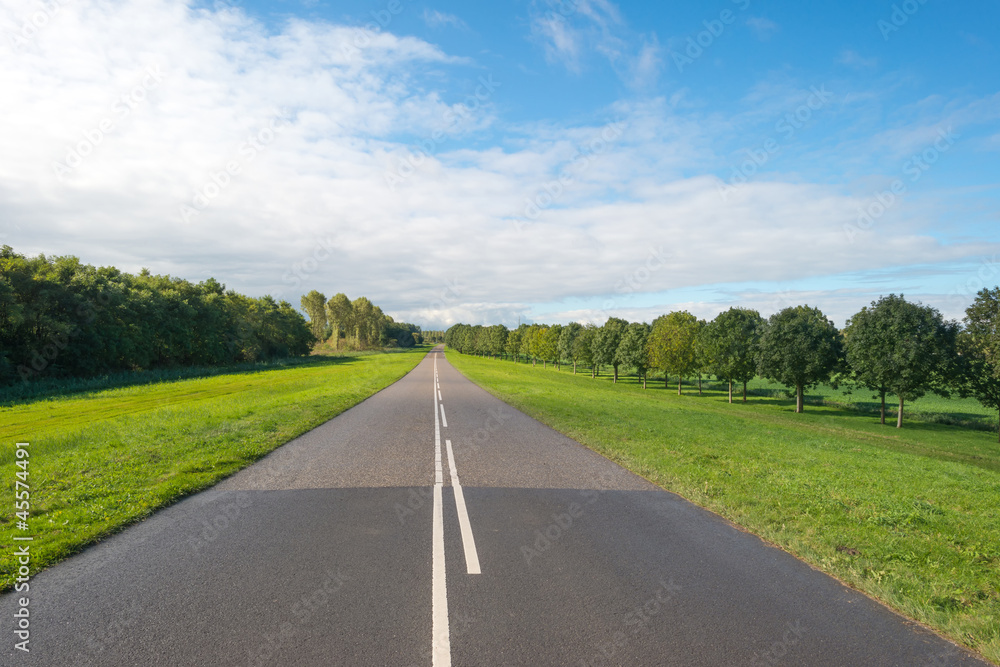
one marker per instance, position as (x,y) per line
(357,324)
(893,347)
(62,318)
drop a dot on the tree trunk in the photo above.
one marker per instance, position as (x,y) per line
(574,368)
(643,380)
(699,384)
(899,417)
(666,381)
(800,398)
(679,381)
(615,381)
(730,391)
(744,392)
(882,395)
(533,360)
(543,364)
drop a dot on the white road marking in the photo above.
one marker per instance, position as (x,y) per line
(440,635)
(441,645)
(444,420)
(468,542)
(440,398)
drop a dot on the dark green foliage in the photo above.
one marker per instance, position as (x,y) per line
(900,348)
(799,347)
(730,346)
(632,350)
(60,318)
(978,372)
(605,344)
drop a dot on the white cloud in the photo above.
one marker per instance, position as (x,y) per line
(856,60)
(308,206)
(763,28)
(436,19)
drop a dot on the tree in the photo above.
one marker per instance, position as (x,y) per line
(513,346)
(632,350)
(900,347)
(314,304)
(567,343)
(548,344)
(799,347)
(731,341)
(340,315)
(583,347)
(497,339)
(605,344)
(979,350)
(673,345)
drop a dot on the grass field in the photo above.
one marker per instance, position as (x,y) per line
(910,516)
(104,459)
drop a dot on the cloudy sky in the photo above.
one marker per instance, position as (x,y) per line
(485,162)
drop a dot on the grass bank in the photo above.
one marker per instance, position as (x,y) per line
(910,516)
(104,459)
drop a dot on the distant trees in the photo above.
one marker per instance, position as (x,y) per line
(673,345)
(567,343)
(314,304)
(583,347)
(892,347)
(62,318)
(605,343)
(799,347)
(633,350)
(731,341)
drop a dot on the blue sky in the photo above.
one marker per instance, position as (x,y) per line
(539,161)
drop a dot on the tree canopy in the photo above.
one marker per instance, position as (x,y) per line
(799,347)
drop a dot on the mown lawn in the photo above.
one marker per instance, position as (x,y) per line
(910,516)
(102,460)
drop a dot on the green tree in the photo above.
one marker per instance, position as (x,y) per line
(673,345)
(513,346)
(633,350)
(567,343)
(799,347)
(731,341)
(583,347)
(605,344)
(902,348)
(979,350)
(314,303)
(548,343)
(340,315)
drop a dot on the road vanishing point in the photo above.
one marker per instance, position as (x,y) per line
(434,525)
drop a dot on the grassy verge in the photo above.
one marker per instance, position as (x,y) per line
(910,516)
(102,460)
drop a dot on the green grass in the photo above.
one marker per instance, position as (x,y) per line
(103,460)
(910,516)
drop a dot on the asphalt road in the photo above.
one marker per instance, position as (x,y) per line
(434,525)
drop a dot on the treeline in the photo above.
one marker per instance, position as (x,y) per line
(62,318)
(356,325)
(893,348)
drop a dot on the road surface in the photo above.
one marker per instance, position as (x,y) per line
(434,525)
